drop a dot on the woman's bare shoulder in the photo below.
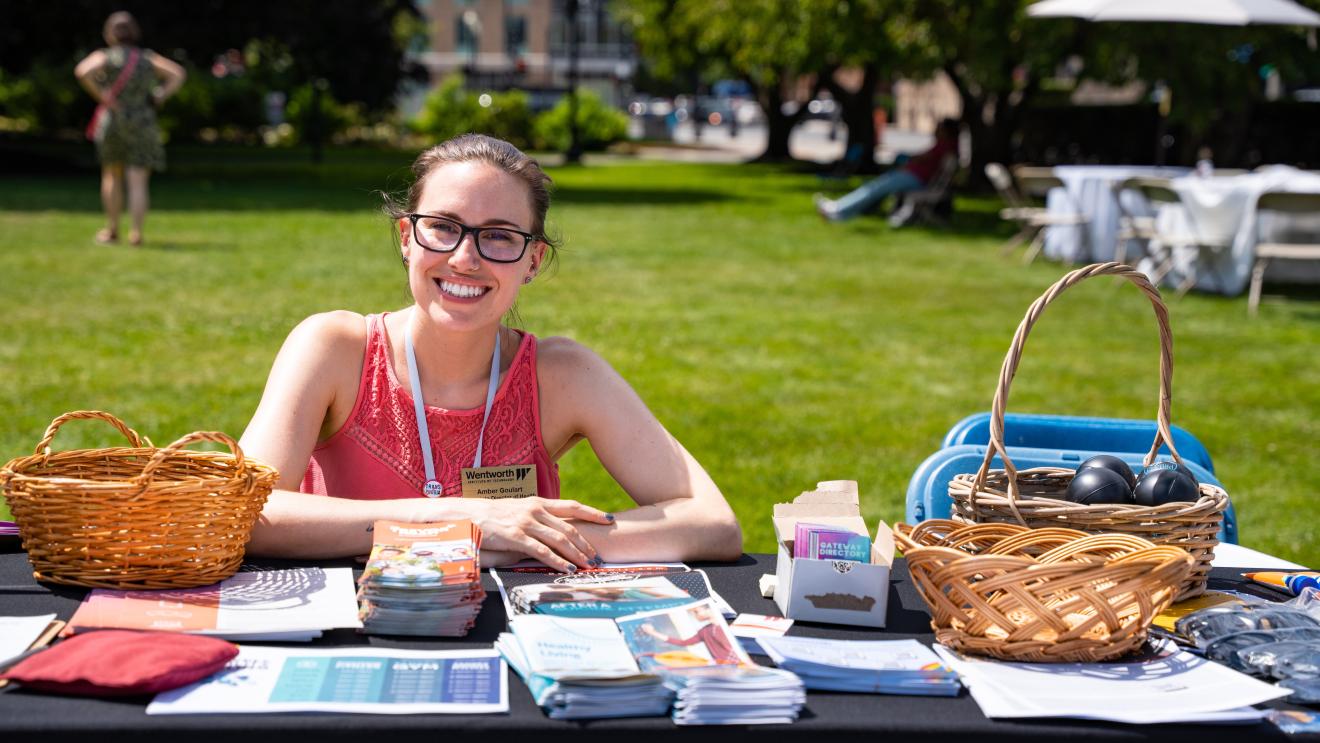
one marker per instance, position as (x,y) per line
(564,357)
(91,63)
(336,334)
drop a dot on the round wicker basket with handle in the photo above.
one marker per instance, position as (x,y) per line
(135,517)
(1035,497)
(1039,595)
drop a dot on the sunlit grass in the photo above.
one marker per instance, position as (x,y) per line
(779,349)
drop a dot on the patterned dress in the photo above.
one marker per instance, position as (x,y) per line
(130,135)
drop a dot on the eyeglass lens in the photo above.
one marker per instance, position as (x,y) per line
(493,243)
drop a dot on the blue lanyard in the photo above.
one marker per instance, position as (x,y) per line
(433,489)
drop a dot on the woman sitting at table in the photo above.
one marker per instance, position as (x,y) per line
(342,416)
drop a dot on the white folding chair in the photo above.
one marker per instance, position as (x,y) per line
(1132,227)
(1158,191)
(1284,203)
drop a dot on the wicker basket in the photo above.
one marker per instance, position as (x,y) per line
(1040,595)
(137,516)
(1035,497)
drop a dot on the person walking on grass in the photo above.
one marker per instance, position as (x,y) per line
(910,174)
(128,84)
(439,411)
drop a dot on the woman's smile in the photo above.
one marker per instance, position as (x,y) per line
(461,292)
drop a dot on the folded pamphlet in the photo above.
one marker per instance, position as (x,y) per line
(599,600)
(822,542)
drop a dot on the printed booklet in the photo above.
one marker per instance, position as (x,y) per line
(422,579)
(878,667)
(599,600)
(295,604)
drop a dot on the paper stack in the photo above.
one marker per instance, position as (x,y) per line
(422,579)
(716,683)
(580,669)
(878,667)
(1163,685)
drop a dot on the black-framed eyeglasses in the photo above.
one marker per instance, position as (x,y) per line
(442,235)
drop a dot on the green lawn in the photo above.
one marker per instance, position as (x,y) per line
(779,349)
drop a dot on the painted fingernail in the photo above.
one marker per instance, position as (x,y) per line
(609,517)
(596,561)
(571,568)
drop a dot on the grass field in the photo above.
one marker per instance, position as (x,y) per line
(779,349)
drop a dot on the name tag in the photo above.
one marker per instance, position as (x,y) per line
(508,481)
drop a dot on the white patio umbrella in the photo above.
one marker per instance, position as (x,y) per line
(1216,12)
(1210,12)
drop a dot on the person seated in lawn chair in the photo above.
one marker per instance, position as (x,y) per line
(399,415)
(911,174)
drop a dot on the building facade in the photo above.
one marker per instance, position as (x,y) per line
(526,44)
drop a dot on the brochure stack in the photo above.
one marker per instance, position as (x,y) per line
(714,680)
(581,669)
(422,579)
(877,667)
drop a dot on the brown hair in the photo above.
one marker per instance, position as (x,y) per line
(481,148)
(121,28)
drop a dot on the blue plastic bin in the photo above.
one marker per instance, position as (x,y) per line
(1109,435)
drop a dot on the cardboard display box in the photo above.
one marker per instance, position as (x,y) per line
(832,591)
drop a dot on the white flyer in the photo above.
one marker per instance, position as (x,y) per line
(18,633)
(1164,685)
(364,680)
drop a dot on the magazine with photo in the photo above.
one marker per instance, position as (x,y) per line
(687,637)
(441,553)
(694,582)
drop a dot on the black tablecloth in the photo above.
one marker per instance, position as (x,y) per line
(29,716)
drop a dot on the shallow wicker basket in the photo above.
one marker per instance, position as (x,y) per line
(1039,595)
(138,516)
(1035,497)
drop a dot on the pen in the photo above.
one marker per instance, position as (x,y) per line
(1293,583)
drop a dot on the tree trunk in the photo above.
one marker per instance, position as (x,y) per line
(778,124)
(858,115)
(991,119)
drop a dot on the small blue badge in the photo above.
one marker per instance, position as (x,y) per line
(432,489)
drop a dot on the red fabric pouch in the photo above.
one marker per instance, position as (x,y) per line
(122,663)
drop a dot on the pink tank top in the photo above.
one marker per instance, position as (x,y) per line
(376,455)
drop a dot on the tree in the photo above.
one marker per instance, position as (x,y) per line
(761,41)
(996,57)
(877,38)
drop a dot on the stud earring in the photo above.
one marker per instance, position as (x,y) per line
(405,259)
(527,279)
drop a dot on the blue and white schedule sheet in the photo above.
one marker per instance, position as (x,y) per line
(360,680)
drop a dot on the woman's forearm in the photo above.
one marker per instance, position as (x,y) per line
(668,531)
(301,525)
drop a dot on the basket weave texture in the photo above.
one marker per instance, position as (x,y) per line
(1035,497)
(135,517)
(1039,595)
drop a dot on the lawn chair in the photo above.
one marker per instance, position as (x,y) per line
(1284,203)
(1159,191)
(1032,221)
(1131,226)
(922,206)
(928,490)
(1081,433)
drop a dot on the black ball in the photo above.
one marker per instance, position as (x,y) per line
(1165,464)
(1095,486)
(1111,463)
(1160,486)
